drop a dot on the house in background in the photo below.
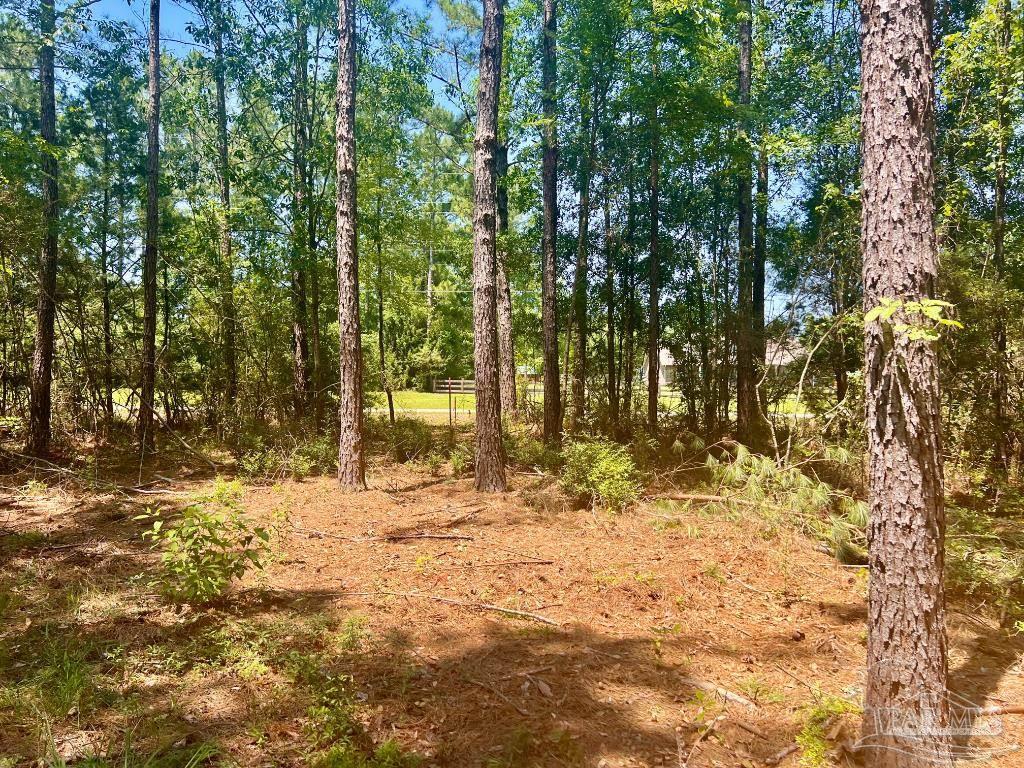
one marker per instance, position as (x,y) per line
(778,355)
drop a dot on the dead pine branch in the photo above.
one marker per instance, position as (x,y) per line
(469,604)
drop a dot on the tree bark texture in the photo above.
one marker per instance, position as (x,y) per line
(906,666)
(490,458)
(41,375)
(147,390)
(549,240)
(351,457)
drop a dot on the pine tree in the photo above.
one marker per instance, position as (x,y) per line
(490,458)
(351,460)
(906,666)
(41,375)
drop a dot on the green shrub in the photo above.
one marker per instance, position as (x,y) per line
(260,462)
(522,448)
(208,545)
(314,457)
(601,472)
(409,439)
(461,458)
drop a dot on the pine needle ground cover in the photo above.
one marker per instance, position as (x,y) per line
(423,624)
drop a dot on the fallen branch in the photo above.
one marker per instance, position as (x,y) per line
(1004,709)
(313,533)
(726,694)
(468,604)
(705,498)
(752,729)
(502,562)
(500,695)
(701,735)
(778,757)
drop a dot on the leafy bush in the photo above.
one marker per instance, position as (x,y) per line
(522,448)
(461,458)
(407,440)
(208,545)
(601,472)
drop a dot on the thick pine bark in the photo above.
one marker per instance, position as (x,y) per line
(746,377)
(490,458)
(147,390)
(906,666)
(300,222)
(654,296)
(549,242)
(41,375)
(506,344)
(227,267)
(351,459)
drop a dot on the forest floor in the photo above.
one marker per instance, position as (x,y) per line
(472,630)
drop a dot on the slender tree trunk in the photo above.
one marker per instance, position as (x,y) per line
(41,378)
(906,664)
(746,375)
(351,459)
(300,235)
(104,237)
(760,261)
(1003,448)
(227,266)
(609,298)
(490,455)
(506,344)
(549,244)
(385,380)
(165,348)
(581,279)
(653,309)
(628,352)
(147,390)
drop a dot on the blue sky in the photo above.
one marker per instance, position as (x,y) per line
(176,14)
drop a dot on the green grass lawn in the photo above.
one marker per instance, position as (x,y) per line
(408,400)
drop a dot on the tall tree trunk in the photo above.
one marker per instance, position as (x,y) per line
(300,221)
(549,241)
(506,344)
(227,266)
(654,297)
(351,458)
(906,664)
(580,283)
(41,377)
(746,375)
(104,236)
(490,455)
(1003,448)
(147,390)
(609,299)
(760,260)
(628,352)
(385,380)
